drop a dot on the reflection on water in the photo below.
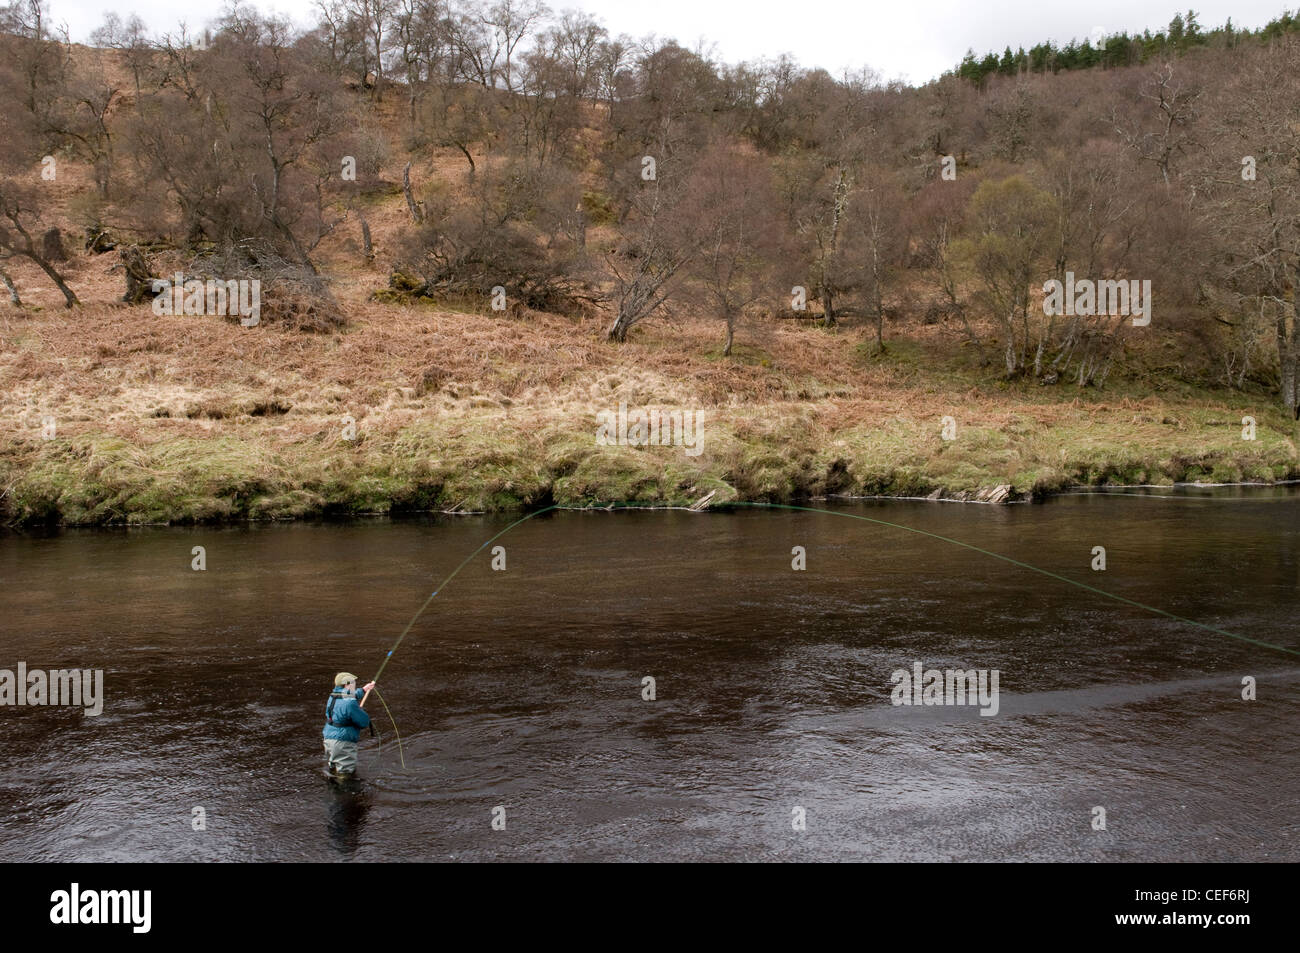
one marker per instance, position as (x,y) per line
(348,805)
(522,690)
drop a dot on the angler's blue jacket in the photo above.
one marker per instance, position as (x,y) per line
(348,717)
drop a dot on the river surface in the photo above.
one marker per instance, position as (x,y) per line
(519,693)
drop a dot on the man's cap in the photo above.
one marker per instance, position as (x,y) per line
(342,678)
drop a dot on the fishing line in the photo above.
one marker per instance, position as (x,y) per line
(1045,572)
(1181,498)
(420,612)
(395,731)
(855,516)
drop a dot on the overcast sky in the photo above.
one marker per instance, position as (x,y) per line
(914,40)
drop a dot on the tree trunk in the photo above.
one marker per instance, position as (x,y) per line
(103,172)
(468,158)
(139,276)
(877,299)
(28,250)
(366,245)
(828,307)
(70,299)
(416,215)
(14,300)
(618,330)
(731,334)
(1288,358)
(1010,355)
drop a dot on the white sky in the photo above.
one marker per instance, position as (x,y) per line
(914,40)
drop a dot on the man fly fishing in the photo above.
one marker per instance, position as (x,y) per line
(345,716)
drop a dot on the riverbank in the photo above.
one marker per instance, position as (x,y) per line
(112,415)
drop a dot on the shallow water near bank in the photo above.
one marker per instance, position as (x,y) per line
(523,689)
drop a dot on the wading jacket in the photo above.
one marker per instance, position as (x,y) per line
(347,718)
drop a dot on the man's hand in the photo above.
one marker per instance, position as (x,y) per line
(367,686)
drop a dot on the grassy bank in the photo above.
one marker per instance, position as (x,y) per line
(487,463)
(195,419)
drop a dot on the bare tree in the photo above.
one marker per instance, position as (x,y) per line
(878,213)
(39,61)
(508,23)
(374,19)
(655,247)
(735,215)
(1248,185)
(1160,127)
(18,217)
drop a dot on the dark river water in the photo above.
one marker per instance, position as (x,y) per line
(522,689)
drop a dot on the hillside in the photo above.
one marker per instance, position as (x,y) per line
(458,407)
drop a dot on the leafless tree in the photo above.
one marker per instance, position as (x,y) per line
(1248,183)
(734,212)
(1160,125)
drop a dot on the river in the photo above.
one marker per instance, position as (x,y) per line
(771,735)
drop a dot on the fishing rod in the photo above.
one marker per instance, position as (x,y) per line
(813,509)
